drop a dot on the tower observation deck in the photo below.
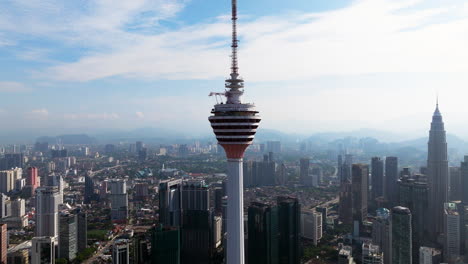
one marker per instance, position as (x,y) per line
(234,124)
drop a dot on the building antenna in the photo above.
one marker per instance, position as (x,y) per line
(234,45)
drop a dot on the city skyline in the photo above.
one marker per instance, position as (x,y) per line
(76,71)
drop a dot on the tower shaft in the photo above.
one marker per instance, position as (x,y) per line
(235,209)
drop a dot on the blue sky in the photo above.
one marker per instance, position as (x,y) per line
(310,66)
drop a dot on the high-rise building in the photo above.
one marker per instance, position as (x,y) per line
(121,252)
(68,235)
(12,160)
(234,124)
(43,250)
(401,235)
(47,221)
(464,180)
(89,190)
(304,169)
(311,226)
(195,195)
(451,233)
(141,191)
(289,215)
(138,146)
(263,246)
(7,181)
(119,200)
(3,205)
(377,177)
(391,178)
(371,254)
(170,202)
(273,146)
(3,243)
(32,180)
(345,210)
(345,255)
(18,207)
(414,194)
(197,239)
(438,172)
(429,255)
(381,233)
(346,168)
(165,245)
(360,176)
(82,229)
(455,192)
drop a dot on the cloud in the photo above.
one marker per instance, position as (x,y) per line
(13,87)
(140,115)
(40,114)
(92,116)
(370,36)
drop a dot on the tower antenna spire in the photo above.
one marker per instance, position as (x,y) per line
(234,45)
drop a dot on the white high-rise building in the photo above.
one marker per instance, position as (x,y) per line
(7,181)
(452,233)
(43,250)
(120,252)
(47,202)
(311,225)
(234,124)
(429,255)
(119,199)
(18,208)
(371,254)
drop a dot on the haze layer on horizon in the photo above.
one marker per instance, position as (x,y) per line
(85,66)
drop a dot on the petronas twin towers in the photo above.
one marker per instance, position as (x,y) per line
(438,174)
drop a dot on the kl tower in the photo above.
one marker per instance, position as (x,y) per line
(234,124)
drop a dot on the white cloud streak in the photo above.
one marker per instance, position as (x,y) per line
(370,36)
(13,87)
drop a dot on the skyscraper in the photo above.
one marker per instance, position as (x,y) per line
(414,195)
(451,233)
(263,234)
(377,177)
(391,178)
(464,180)
(47,221)
(455,184)
(346,203)
(82,229)
(119,200)
(170,202)
(165,245)
(371,254)
(401,235)
(43,250)
(311,225)
(89,189)
(3,243)
(68,236)
(32,180)
(360,175)
(381,233)
(120,252)
(304,170)
(429,255)
(234,124)
(438,171)
(289,215)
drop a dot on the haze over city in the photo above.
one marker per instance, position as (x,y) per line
(94,66)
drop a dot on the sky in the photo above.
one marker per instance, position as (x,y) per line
(88,66)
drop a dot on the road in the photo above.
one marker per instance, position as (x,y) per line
(100,252)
